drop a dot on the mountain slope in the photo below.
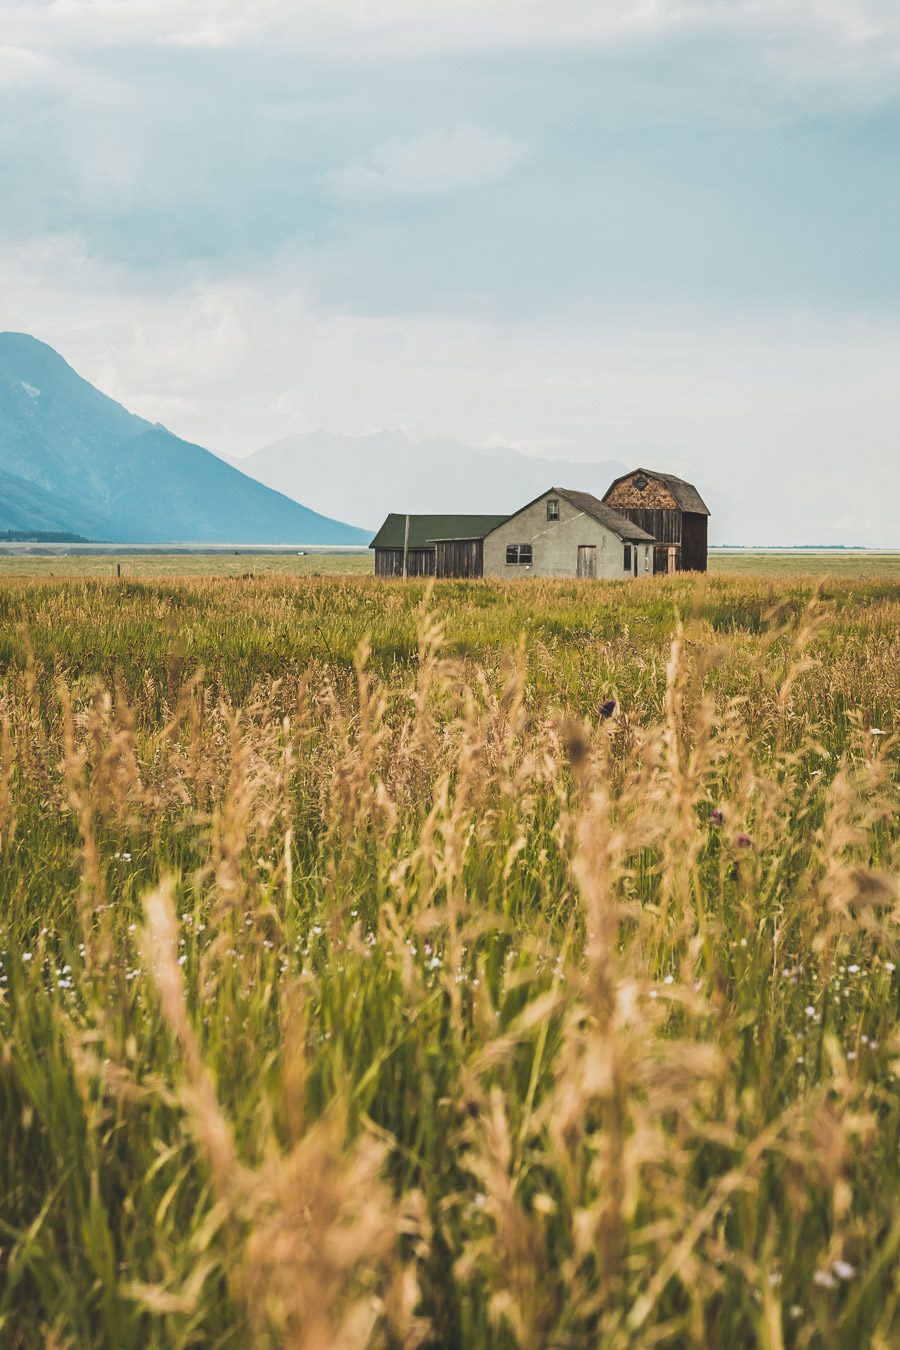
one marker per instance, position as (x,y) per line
(26,506)
(366,477)
(73,459)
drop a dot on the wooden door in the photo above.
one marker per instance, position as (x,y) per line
(587,560)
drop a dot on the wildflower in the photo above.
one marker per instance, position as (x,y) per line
(809,1010)
(824,1279)
(717,816)
(876,731)
(743,840)
(853,969)
(843,1270)
(26,956)
(607,709)
(889,967)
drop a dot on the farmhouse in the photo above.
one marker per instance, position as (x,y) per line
(564,533)
(671,510)
(647,522)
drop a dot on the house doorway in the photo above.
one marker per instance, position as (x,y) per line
(587,560)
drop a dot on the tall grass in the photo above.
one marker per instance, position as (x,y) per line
(467,966)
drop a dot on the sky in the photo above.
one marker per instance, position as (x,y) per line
(660,231)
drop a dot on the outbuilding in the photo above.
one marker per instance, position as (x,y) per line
(671,510)
(563,533)
(440,545)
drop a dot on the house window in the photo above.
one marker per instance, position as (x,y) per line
(553,508)
(646,559)
(627,564)
(518,555)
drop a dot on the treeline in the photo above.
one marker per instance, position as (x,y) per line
(41,537)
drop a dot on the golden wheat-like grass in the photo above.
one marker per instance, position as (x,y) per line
(369,980)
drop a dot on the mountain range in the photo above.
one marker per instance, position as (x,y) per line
(362,478)
(365,477)
(72,459)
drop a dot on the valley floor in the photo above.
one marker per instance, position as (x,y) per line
(489,965)
(21,562)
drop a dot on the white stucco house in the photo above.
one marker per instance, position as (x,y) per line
(564,533)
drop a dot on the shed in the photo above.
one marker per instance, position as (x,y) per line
(671,510)
(439,545)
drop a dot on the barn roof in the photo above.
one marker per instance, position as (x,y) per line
(424,530)
(605,515)
(685,494)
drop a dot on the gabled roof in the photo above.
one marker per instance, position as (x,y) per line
(604,515)
(685,494)
(424,530)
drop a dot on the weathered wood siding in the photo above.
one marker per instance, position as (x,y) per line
(694,529)
(664,525)
(655,496)
(389,562)
(459,558)
(655,509)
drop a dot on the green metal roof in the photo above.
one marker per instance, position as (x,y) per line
(423,530)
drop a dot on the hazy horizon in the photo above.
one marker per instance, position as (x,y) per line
(660,233)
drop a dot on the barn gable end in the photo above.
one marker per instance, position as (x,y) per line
(671,510)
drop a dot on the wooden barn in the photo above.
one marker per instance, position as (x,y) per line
(669,509)
(442,546)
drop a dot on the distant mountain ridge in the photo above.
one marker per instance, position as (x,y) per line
(74,460)
(366,477)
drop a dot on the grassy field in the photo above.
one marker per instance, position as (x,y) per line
(474,965)
(797,563)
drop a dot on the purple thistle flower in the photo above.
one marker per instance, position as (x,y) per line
(717,816)
(608,708)
(743,840)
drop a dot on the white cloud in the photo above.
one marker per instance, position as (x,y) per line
(237,363)
(850,38)
(431,165)
(20,65)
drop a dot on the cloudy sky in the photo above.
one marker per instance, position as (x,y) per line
(655,230)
